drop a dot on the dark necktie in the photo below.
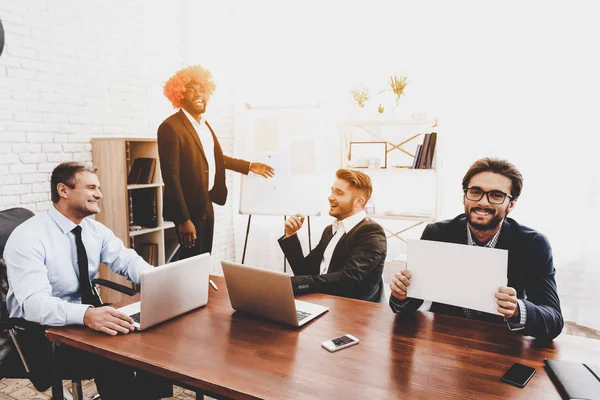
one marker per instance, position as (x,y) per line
(88,296)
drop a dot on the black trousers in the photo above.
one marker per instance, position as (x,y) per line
(114,381)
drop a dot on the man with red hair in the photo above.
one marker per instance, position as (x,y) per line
(192,162)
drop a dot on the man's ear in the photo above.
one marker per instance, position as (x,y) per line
(511,205)
(360,201)
(63,190)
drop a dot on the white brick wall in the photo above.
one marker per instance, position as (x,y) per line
(74,70)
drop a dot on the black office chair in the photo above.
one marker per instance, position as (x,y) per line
(16,361)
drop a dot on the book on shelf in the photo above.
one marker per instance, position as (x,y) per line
(416,158)
(149,252)
(430,150)
(142,171)
(424,150)
(143,207)
(130,207)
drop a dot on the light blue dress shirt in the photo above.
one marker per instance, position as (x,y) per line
(43,275)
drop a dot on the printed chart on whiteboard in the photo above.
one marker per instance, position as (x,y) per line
(288,141)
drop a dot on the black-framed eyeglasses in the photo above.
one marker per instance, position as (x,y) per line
(494,196)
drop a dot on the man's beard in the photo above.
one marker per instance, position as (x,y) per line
(493,224)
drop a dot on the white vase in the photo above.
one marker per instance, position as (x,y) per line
(402,109)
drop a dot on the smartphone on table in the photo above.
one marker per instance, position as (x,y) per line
(340,342)
(518,375)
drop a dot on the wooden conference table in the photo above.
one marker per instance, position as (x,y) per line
(233,355)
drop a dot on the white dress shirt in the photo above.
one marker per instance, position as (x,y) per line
(43,274)
(339,228)
(208,144)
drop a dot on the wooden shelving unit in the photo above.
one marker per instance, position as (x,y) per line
(114,157)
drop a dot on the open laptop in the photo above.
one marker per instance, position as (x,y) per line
(267,294)
(170,290)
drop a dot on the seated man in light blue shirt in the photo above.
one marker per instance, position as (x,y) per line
(50,261)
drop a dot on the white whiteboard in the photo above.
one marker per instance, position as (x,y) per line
(287,140)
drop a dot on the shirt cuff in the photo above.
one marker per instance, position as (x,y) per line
(397,304)
(517,326)
(75,313)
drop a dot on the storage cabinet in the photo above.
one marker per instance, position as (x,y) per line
(132,211)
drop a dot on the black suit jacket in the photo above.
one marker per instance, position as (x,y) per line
(530,272)
(185,172)
(355,268)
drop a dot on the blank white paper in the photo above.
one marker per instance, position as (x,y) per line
(456,274)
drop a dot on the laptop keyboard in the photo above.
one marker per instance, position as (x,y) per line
(136,317)
(302,315)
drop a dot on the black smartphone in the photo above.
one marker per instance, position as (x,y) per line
(518,375)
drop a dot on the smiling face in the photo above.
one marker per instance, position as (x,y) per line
(344,200)
(481,214)
(194,100)
(81,200)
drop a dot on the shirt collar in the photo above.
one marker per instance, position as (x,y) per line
(192,120)
(64,223)
(491,243)
(347,224)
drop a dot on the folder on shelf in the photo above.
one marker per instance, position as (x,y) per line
(575,380)
(143,207)
(142,171)
(149,253)
(417,155)
(424,149)
(430,150)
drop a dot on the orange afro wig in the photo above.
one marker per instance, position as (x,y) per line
(174,89)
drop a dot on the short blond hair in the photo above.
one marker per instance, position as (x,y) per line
(358,180)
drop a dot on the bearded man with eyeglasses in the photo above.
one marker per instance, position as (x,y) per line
(529,303)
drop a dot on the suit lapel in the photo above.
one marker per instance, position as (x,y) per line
(191,131)
(340,250)
(460,235)
(504,240)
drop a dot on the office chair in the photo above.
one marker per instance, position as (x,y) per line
(16,361)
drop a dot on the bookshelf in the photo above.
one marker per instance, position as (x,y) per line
(135,204)
(404,198)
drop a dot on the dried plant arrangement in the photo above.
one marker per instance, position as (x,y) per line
(397,86)
(360,94)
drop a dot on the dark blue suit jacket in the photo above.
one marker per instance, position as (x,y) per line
(530,272)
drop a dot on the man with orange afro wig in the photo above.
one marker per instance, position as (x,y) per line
(192,162)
